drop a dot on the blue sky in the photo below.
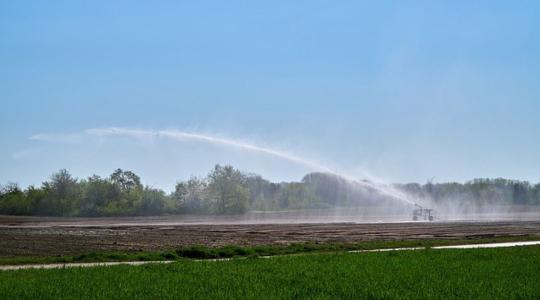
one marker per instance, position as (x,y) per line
(392,90)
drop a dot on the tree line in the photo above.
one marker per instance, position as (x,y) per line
(226,190)
(480,191)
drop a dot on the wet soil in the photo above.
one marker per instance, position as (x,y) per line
(56,236)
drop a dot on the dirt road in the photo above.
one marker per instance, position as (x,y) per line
(139,263)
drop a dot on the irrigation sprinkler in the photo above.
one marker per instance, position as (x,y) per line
(420,213)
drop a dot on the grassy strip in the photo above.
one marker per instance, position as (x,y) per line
(505,273)
(204,252)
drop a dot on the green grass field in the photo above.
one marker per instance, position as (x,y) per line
(503,273)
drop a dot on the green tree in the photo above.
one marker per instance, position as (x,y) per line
(227,189)
(131,193)
(126,180)
(62,195)
(35,196)
(98,193)
(190,196)
(262,193)
(153,202)
(13,200)
(535,198)
(519,192)
(298,195)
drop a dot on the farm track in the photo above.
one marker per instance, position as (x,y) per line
(139,263)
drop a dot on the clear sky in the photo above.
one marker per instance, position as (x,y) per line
(396,90)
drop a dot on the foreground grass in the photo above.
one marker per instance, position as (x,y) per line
(203,252)
(504,273)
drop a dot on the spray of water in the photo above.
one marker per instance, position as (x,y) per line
(183,136)
(460,208)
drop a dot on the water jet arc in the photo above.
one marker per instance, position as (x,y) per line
(183,136)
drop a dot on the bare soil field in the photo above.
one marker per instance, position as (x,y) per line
(36,236)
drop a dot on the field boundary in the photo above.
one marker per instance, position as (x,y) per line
(138,263)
